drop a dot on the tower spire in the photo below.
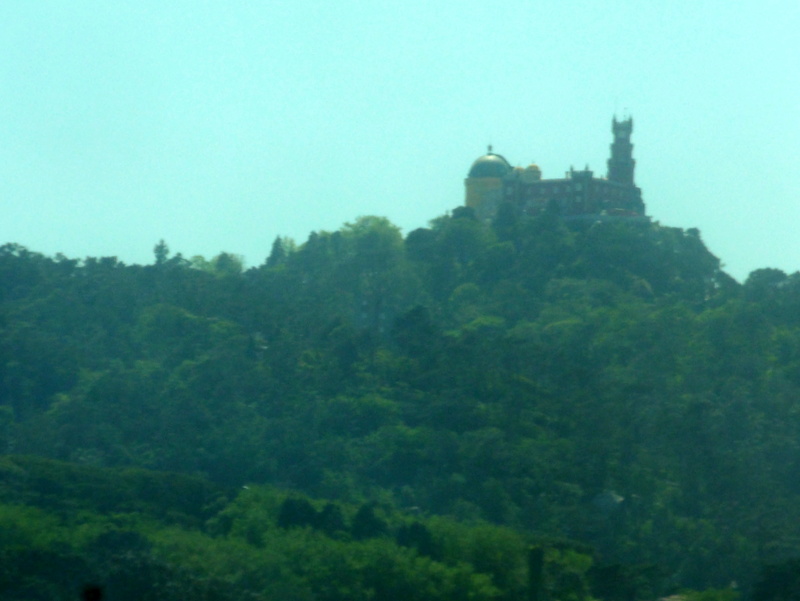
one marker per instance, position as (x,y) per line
(621,164)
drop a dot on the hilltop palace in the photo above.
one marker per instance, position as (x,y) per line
(492,181)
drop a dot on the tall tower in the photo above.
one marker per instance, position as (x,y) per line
(621,163)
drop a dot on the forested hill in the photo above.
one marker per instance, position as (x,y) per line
(601,382)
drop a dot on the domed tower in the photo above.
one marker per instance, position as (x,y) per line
(484,183)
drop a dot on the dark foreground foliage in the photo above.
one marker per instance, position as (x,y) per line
(256,543)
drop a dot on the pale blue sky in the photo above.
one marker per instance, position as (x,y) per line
(218,125)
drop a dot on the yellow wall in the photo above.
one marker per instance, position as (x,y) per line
(480,190)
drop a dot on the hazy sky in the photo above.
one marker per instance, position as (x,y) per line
(217,125)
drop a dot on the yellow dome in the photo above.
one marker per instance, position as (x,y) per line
(532,173)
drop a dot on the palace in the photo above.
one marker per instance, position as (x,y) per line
(492,181)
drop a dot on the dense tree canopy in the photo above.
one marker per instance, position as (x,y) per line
(599,382)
